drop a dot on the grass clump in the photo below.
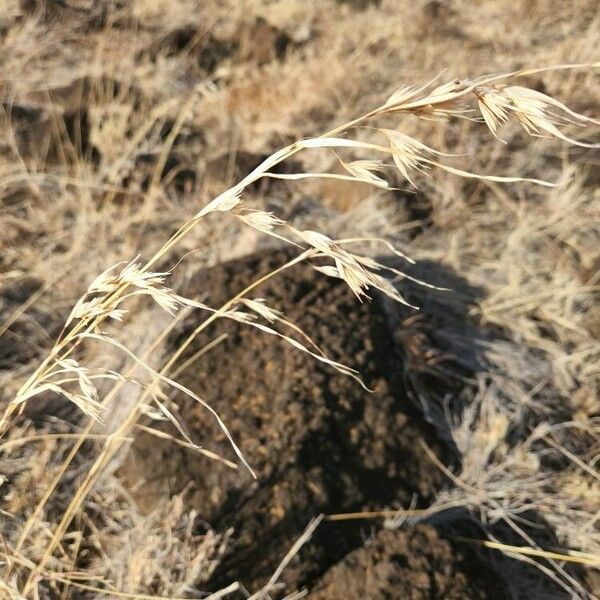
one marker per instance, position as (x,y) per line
(501,474)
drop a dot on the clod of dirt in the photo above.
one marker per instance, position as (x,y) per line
(59,124)
(18,344)
(261,42)
(415,564)
(361,4)
(209,51)
(252,40)
(317,440)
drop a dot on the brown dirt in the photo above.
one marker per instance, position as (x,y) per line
(318,442)
(415,564)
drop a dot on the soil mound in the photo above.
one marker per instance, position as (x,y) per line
(318,441)
(415,563)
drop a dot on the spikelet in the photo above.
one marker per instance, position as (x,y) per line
(259,306)
(348,268)
(93,309)
(262,221)
(494,107)
(224,203)
(108,283)
(150,284)
(365,171)
(86,398)
(537,113)
(408,153)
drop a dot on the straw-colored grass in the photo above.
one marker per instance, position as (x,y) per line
(537,261)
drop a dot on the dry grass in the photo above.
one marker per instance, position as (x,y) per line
(520,223)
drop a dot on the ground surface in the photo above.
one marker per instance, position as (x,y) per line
(119,119)
(319,442)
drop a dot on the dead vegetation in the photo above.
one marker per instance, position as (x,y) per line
(122,124)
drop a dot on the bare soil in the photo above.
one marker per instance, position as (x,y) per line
(318,441)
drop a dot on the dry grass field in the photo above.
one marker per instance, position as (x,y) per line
(299,298)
